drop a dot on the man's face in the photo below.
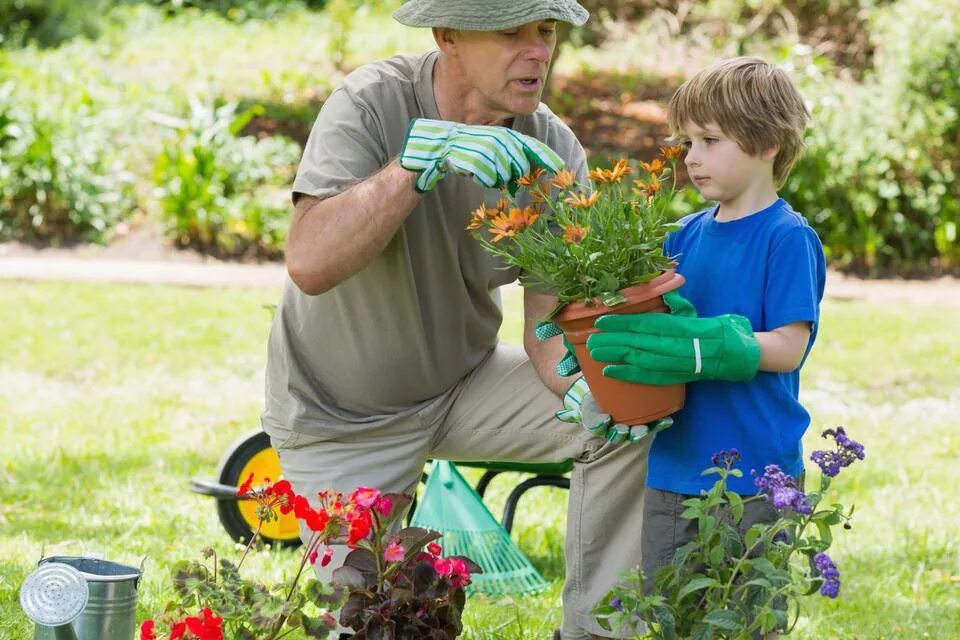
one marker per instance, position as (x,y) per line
(505,70)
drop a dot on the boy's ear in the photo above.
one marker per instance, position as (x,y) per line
(770,153)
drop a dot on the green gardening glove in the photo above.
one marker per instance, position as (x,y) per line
(580,408)
(568,364)
(676,347)
(494,156)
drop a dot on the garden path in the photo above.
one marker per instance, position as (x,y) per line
(142,257)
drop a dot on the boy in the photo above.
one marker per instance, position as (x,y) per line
(755,273)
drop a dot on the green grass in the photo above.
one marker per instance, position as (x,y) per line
(112,397)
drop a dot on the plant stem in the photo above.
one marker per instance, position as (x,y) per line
(249,544)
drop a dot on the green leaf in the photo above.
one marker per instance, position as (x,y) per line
(696,584)
(349,578)
(724,619)
(736,507)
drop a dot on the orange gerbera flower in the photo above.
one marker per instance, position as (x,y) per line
(574,234)
(564,179)
(620,169)
(582,200)
(654,167)
(648,189)
(671,153)
(531,178)
(509,224)
(480,215)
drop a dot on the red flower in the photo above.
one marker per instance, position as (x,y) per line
(313,557)
(434,548)
(177,630)
(327,556)
(360,524)
(146,630)
(245,487)
(384,505)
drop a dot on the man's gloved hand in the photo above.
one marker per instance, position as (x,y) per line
(495,156)
(568,364)
(676,347)
(580,408)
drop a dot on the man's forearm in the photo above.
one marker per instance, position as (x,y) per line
(544,355)
(332,239)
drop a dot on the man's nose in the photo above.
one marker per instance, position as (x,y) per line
(540,49)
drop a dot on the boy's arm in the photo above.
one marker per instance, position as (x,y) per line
(783,348)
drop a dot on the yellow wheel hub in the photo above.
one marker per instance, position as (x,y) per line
(265,464)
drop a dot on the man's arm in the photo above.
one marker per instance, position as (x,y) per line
(543,354)
(334,238)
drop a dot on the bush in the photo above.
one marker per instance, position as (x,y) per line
(46,23)
(878,180)
(58,180)
(224,193)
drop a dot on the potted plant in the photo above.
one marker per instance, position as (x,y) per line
(599,249)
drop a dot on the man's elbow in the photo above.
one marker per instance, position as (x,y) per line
(309,278)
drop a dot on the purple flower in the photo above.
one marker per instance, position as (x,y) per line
(726,458)
(782,491)
(828,571)
(617,604)
(847,452)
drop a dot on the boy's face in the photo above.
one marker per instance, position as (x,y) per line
(724,172)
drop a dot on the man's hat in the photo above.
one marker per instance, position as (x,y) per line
(487,15)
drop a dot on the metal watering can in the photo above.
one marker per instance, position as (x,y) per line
(81,598)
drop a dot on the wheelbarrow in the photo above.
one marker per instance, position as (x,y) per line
(252,453)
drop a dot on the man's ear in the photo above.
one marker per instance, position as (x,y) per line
(446,39)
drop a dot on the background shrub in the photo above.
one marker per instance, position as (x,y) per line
(58,180)
(220,192)
(46,23)
(879,177)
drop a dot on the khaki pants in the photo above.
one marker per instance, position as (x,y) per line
(501,411)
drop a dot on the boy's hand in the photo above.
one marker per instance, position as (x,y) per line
(580,408)
(494,156)
(660,348)
(568,364)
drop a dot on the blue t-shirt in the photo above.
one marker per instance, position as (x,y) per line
(768,267)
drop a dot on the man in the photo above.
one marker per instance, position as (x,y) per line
(384,350)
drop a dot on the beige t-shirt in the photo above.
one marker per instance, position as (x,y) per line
(420,316)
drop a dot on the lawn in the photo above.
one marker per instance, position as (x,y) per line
(112,397)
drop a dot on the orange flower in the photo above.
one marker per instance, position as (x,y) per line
(671,153)
(654,167)
(531,178)
(480,215)
(574,234)
(564,179)
(509,224)
(583,201)
(649,190)
(620,169)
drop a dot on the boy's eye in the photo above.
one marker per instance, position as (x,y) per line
(685,144)
(711,140)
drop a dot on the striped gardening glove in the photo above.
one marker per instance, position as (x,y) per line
(675,347)
(494,156)
(568,364)
(580,408)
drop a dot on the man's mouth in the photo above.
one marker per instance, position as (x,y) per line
(530,84)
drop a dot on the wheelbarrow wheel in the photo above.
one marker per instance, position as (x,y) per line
(253,454)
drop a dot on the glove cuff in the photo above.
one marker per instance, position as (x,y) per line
(741,351)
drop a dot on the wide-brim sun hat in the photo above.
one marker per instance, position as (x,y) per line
(488,15)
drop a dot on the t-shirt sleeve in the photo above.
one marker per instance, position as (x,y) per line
(344,147)
(796,275)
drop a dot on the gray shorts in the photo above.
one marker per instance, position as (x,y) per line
(665,530)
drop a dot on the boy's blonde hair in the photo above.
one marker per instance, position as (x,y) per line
(752,101)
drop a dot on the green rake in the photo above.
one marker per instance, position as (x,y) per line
(450,506)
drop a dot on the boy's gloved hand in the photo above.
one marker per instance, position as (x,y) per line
(568,364)
(495,156)
(580,408)
(661,348)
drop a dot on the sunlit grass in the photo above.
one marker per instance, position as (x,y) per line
(113,396)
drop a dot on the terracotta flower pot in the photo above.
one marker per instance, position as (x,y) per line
(626,402)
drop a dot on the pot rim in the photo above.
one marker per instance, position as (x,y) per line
(667,281)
